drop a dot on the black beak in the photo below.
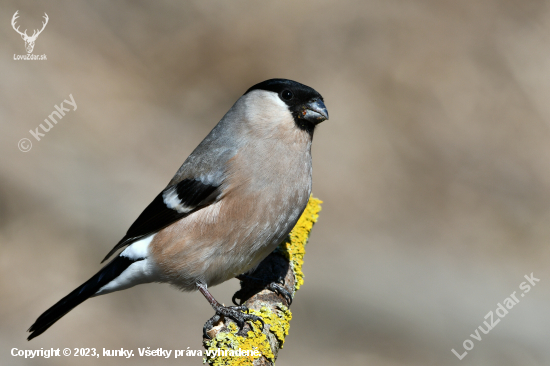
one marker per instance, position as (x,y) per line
(315,111)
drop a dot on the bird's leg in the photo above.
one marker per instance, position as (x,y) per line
(232,312)
(275,286)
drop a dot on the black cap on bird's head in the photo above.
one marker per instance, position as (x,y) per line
(305,103)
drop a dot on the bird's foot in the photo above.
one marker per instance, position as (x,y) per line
(276,286)
(237,313)
(279,289)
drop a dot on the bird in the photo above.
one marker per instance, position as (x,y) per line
(230,204)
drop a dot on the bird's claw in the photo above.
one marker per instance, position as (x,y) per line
(240,314)
(276,286)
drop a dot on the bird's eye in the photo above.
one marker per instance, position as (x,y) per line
(287,95)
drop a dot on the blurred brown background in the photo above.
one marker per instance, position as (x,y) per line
(434,169)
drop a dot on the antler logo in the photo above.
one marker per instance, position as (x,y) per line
(29,41)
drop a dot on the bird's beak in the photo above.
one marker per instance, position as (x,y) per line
(315,111)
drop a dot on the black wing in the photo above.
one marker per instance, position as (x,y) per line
(170,205)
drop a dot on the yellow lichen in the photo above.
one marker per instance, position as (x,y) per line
(221,346)
(278,322)
(294,246)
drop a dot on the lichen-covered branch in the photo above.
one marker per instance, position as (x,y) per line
(254,346)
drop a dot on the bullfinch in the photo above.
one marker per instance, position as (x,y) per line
(234,199)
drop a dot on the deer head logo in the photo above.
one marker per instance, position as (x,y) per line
(29,41)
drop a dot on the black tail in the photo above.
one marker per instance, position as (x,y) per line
(75,298)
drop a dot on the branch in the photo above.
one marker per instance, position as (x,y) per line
(262,347)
